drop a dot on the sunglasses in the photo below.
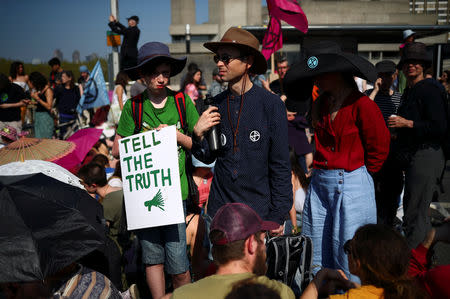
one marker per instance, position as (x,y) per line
(225,58)
(348,247)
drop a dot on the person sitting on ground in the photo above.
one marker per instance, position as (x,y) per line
(93,178)
(433,280)
(377,254)
(102,159)
(115,180)
(237,235)
(248,289)
(73,281)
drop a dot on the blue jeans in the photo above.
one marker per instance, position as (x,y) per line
(165,245)
(337,204)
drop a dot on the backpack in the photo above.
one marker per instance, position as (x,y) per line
(289,256)
(137,106)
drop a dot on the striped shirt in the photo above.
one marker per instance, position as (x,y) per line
(388,104)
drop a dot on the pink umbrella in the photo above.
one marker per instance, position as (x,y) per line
(84,140)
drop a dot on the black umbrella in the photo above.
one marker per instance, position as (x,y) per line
(45,225)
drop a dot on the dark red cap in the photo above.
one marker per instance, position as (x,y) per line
(238,221)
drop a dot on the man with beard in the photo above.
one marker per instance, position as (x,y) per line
(237,235)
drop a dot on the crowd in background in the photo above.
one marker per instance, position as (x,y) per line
(350,154)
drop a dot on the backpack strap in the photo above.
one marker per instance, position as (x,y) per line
(181,108)
(137,107)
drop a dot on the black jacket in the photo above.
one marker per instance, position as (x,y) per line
(423,104)
(130,38)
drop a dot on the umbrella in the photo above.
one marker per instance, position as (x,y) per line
(84,140)
(45,225)
(38,166)
(35,149)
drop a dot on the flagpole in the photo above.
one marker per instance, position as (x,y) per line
(115,49)
(272,64)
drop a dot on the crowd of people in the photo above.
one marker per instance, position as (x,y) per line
(311,152)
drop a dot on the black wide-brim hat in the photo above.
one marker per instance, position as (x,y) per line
(321,58)
(154,53)
(244,41)
(327,57)
(414,51)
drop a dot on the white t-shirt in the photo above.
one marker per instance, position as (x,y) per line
(299,200)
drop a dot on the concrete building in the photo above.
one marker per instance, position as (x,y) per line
(373,28)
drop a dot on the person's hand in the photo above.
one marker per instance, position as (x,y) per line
(161,126)
(283,97)
(208,119)
(277,232)
(377,85)
(112,18)
(265,84)
(25,102)
(35,95)
(395,121)
(327,281)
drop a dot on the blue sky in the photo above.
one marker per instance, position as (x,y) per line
(35,28)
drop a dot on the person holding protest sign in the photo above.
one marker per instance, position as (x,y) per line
(163,247)
(252,165)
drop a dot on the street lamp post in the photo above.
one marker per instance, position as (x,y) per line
(188,39)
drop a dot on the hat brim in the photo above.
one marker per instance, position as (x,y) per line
(176,65)
(426,62)
(259,65)
(269,225)
(298,81)
(331,63)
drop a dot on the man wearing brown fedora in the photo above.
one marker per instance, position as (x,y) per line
(252,165)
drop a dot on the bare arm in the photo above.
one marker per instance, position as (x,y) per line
(119,92)
(183,140)
(115,148)
(13,105)
(292,212)
(48,103)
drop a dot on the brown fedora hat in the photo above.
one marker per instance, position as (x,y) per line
(244,40)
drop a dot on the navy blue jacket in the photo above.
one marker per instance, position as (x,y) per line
(258,173)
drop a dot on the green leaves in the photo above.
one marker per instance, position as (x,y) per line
(157,201)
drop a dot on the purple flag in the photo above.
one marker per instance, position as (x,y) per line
(290,12)
(273,40)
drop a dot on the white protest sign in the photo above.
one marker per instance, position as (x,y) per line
(151,178)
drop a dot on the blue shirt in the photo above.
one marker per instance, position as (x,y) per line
(258,172)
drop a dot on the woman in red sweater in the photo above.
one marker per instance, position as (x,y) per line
(352,141)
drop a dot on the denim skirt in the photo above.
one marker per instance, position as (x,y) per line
(337,204)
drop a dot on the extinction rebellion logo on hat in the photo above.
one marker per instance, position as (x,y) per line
(313,62)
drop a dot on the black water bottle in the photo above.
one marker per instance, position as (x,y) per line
(213,135)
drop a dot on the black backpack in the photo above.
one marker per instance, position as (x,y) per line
(287,255)
(137,104)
